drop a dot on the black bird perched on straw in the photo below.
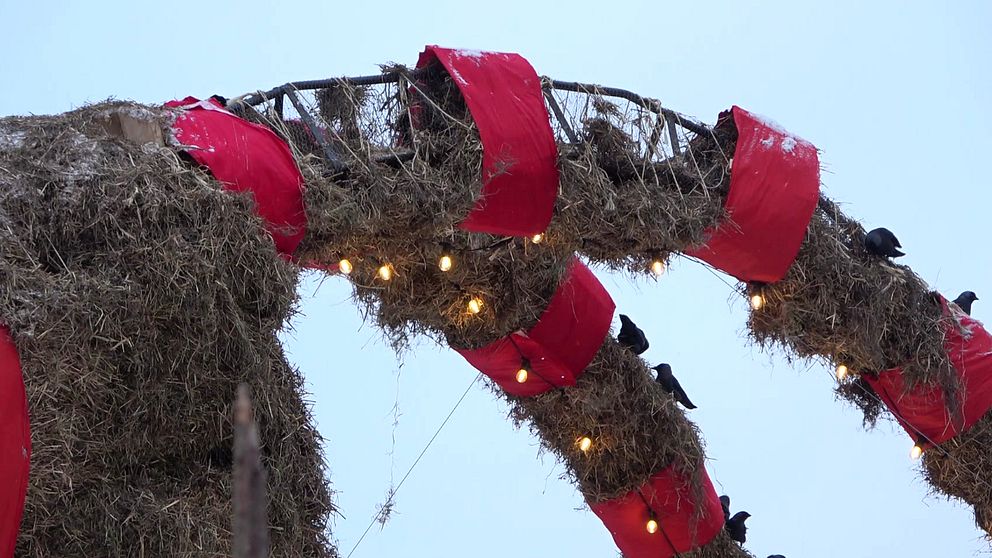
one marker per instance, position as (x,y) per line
(883,243)
(671,385)
(776,556)
(631,336)
(736,528)
(725,504)
(964,301)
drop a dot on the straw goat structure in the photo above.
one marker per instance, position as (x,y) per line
(140,294)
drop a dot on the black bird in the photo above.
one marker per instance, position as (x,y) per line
(631,336)
(671,385)
(964,301)
(736,528)
(725,504)
(776,556)
(220,99)
(883,243)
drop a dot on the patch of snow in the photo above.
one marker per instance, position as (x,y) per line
(791,140)
(768,142)
(134,111)
(768,122)
(471,53)
(171,138)
(475,56)
(86,161)
(151,148)
(458,76)
(12,140)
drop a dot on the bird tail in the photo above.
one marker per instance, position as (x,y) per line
(897,253)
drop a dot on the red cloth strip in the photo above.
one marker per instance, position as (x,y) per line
(562,343)
(520,156)
(15,444)
(670,496)
(923,408)
(774,187)
(246,157)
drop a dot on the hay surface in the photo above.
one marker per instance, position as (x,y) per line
(140,294)
(960,468)
(839,302)
(636,428)
(626,214)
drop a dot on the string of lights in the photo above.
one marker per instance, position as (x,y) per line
(652,525)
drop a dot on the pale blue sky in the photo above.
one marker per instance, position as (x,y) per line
(893,93)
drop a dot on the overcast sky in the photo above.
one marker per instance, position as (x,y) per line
(895,94)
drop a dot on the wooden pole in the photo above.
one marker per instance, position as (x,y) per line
(250,528)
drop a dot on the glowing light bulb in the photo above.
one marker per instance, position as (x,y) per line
(585,444)
(842,372)
(385,272)
(757,301)
(445,263)
(475,305)
(652,526)
(524,371)
(657,267)
(916,452)
(344,266)
(537,238)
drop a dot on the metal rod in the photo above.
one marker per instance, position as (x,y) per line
(359,81)
(394,77)
(337,165)
(395,157)
(560,116)
(648,103)
(673,136)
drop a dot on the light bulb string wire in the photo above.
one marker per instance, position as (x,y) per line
(416,461)
(919,433)
(895,412)
(872,395)
(920,436)
(524,357)
(714,271)
(654,515)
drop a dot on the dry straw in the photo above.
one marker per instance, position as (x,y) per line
(140,294)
